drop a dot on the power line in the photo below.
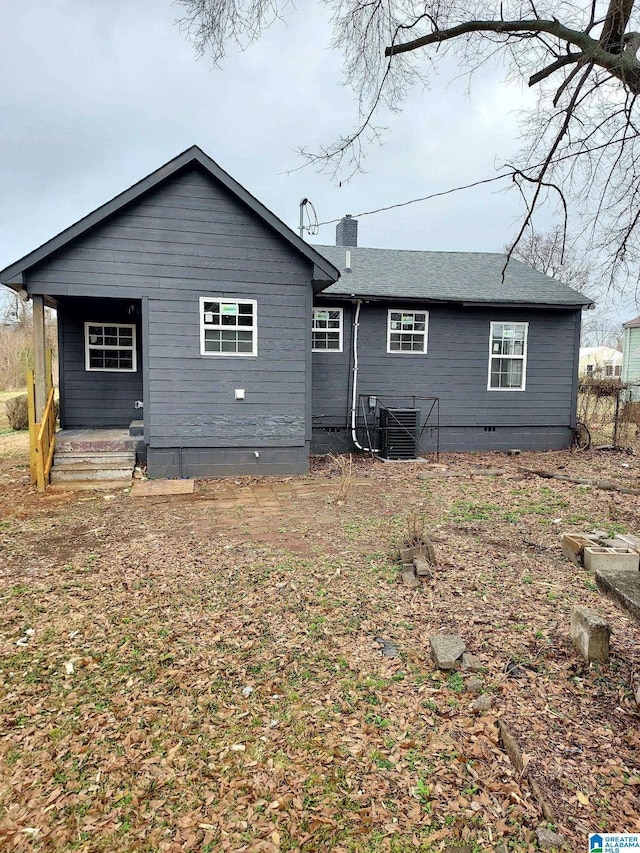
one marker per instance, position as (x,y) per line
(424,198)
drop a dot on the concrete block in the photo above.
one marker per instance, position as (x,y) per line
(598,557)
(409,578)
(573,545)
(424,550)
(590,634)
(423,568)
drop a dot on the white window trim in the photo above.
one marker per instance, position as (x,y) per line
(522,357)
(88,347)
(253,328)
(426,331)
(313,329)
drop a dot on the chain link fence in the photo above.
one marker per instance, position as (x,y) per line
(610,409)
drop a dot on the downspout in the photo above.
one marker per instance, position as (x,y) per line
(354,395)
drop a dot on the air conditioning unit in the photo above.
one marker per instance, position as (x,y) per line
(398,431)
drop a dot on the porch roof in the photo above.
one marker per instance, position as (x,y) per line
(324,274)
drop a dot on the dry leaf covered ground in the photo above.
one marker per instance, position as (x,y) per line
(200,672)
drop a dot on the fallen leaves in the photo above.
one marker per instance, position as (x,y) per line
(191,690)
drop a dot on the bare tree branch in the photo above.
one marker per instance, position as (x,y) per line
(581,141)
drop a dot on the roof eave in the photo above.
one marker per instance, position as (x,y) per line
(369,297)
(191,155)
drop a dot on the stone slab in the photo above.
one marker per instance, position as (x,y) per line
(590,634)
(623,587)
(597,557)
(148,488)
(629,540)
(446,650)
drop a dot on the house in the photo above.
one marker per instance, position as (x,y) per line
(631,359)
(601,362)
(185,301)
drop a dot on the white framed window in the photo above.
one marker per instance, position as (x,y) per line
(110,347)
(407,331)
(326,330)
(508,356)
(228,326)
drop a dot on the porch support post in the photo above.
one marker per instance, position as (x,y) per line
(39,356)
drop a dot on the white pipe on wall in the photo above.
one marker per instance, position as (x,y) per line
(354,395)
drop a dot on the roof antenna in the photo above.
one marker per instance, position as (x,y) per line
(311,228)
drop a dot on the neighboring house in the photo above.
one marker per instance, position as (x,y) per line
(186,300)
(601,362)
(631,359)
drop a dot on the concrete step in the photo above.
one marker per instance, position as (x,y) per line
(98,440)
(88,445)
(74,457)
(69,473)
(86,485)
(136,429)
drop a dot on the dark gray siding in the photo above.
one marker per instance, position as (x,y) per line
(332,375)
(455,370)
(91,399)
(186,239)
(174,463)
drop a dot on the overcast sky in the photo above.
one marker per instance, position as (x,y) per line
(95,94)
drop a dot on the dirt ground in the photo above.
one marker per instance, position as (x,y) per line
(200,672)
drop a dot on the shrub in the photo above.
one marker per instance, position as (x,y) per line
(18,412)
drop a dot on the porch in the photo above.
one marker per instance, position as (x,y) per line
(100,393)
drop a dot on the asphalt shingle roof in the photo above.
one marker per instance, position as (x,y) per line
(474,277)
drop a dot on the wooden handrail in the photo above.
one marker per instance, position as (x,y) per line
(46,417)
(42,439)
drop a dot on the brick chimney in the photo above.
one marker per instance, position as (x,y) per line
(347,231)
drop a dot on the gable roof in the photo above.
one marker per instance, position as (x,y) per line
(473,278)
(324,271)
(632,324)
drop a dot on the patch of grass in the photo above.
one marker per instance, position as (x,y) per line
(382,762)
(463,510)
(423,791)
(455,682)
